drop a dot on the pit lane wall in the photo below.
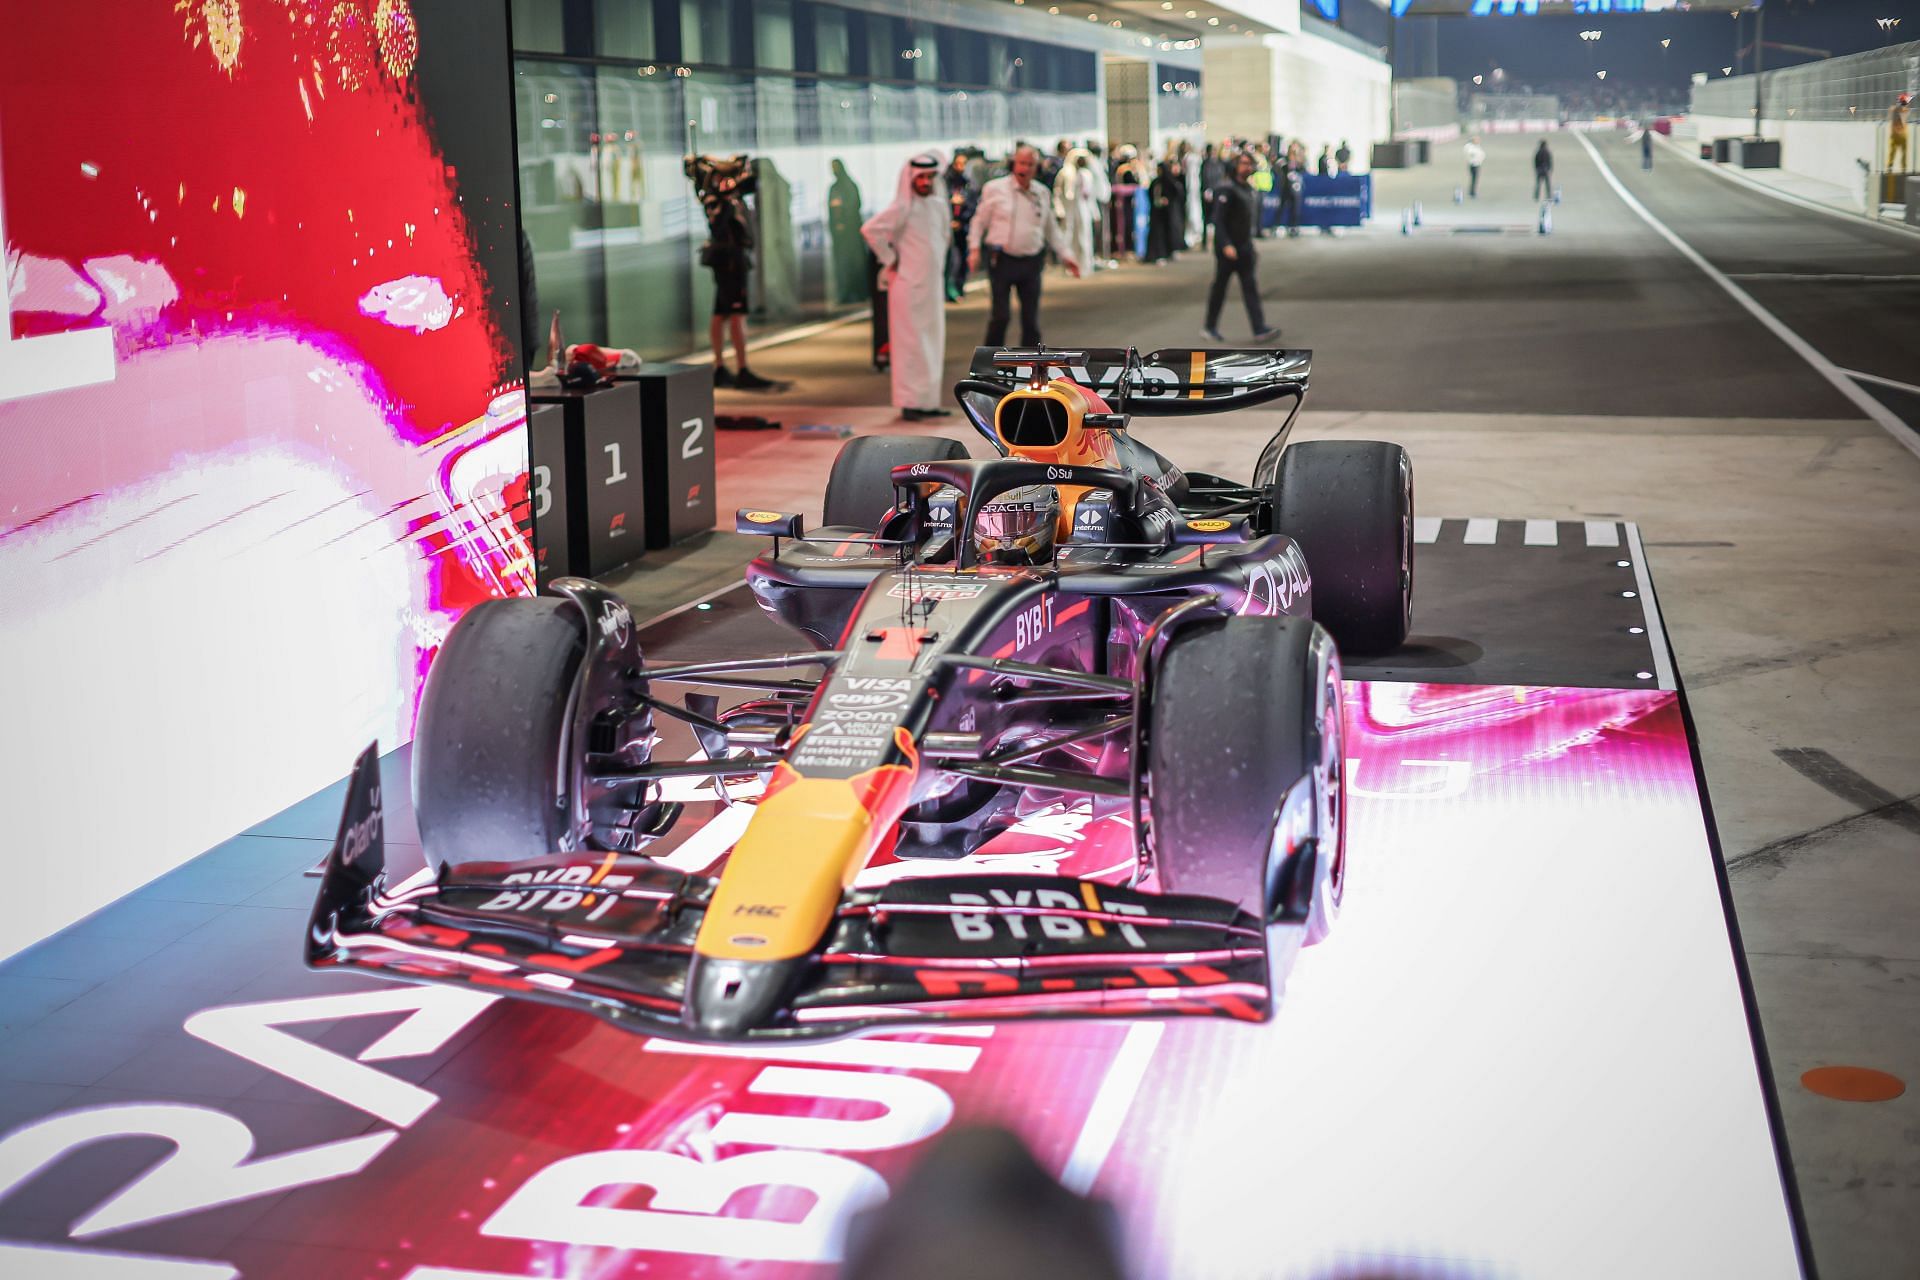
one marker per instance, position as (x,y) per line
(1829,150)
(1828,116)
(1300,84)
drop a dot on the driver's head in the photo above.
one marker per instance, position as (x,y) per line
(1025,160)
(1017,527)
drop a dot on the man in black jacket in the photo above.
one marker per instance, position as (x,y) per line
(1236,210)
(1543,172)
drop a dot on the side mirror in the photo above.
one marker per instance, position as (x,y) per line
(1192,533)
(767,524)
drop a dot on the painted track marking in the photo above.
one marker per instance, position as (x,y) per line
(1801,347)
(1877,380)
(1602,533)
(1481,532)
(1110,1107)
(1542,533)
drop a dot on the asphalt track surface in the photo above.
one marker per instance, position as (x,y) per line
(1476,312)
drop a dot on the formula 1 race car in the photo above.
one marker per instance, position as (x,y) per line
(1074,622)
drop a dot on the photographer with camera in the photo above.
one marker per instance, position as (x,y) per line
(723,185)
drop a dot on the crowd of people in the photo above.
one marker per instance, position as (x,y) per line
(1089,211)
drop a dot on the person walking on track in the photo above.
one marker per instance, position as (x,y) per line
(1476,156)
(1543,172)
(910,238)
(1235,214)
(1013,228)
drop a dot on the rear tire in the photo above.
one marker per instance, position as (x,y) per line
(488,781)
(1349,504)
(1242,710)
(860,487)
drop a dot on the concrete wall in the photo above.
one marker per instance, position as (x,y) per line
(1829,150)
(1299,86)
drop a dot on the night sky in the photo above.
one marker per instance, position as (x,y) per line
(1545,50)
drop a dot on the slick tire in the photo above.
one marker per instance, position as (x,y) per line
(860,487)
(1243,710)
(488,784)
(1349,504)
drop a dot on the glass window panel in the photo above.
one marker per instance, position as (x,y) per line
(538,27)
(886,45)
(560,204)
(832,43)
(651,224)
(923,47)
(773,34)
(706,32)
(624,29)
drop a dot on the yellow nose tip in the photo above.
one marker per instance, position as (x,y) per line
(783,881)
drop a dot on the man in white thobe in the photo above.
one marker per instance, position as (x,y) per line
(1075,203)
(910,237)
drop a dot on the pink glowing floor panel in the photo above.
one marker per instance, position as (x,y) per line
(1523,1052)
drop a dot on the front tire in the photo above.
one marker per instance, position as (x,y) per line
(488,781)
(1349,504)
(1245,728)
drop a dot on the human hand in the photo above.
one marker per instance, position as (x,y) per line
(1073,268)
(1230,253)
(973,260)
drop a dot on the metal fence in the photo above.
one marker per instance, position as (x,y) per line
(1513,106)
(1424,105)
(1860,86)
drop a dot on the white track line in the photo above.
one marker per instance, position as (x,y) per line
(1426,528)
(1110,1105)
(1602,533)
(1823,277)
(1650,610)
(1481,532)
(1542,533)
(1880,381)
(1821,365)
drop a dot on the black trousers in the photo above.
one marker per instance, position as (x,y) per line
(1224,269)
(1542,185)
(1289,205)
(1009,274)
(1473,180)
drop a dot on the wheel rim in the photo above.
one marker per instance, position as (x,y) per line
(1334,769)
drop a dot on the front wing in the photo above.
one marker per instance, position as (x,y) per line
(613,934)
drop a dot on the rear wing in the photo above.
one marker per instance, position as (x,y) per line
(1155,384)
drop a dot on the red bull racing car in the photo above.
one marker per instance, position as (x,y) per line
(1073,620)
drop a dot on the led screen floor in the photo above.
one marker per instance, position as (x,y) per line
(1523,1052)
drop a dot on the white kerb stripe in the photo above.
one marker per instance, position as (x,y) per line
(1481,533)
(1846,386)
(1426,528)
(1543,533)
(1603,533)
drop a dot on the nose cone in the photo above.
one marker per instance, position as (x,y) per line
(726,999)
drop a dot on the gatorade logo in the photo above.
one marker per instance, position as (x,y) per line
(1209,526)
